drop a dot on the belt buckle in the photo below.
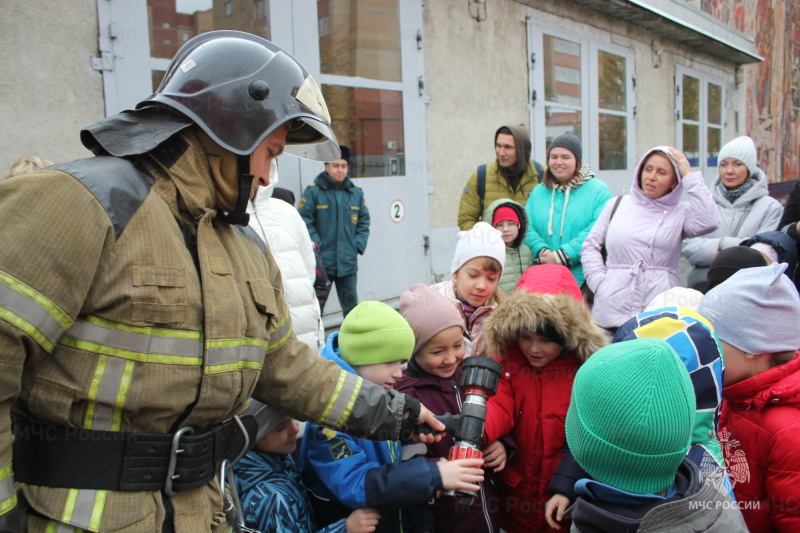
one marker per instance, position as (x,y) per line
(174,451)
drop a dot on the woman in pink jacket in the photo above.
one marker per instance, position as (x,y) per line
(643,239)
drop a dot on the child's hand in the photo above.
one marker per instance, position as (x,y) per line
(461,474)
(426,417)
(494,456)
(363,520)
(557,504)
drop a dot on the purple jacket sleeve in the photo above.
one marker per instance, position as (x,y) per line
(703,215)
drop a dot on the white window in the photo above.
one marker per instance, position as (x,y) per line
(228,9)
(165,25)
(700,104)
(584,86)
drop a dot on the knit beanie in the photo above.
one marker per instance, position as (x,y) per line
(481,241)
(570,141)
(267,417)
(731,260)
(741,148)
(676,297)
(428,312)
(346,153)
(766,250)
(629,424)
(505,213)
(756,310)
(374,333)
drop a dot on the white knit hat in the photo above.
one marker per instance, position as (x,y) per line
(481,241)
(676,297)
(741,148)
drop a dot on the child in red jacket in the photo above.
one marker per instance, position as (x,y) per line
(756,313)
(540,334)
(433,376)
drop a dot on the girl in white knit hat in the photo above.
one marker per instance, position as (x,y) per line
(477,268)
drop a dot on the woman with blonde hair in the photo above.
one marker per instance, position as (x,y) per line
(27,164)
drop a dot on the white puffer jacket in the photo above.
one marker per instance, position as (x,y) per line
(764,215)
(281,227)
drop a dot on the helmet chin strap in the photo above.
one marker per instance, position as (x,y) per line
(239,214)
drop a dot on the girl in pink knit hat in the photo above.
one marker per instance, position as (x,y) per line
(433,376)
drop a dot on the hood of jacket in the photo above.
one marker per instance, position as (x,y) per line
(522,142)
(598,516)
(545,294)
(668,200)
(331,352)
(263,194)
(521,213)
(693,339)
(777,386)
(758,190)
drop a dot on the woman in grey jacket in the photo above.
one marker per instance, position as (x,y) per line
(745,207)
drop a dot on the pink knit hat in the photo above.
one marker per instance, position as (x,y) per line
(428,312)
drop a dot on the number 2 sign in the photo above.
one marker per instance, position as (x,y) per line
(397,211)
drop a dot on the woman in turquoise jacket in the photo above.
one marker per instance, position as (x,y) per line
(563,209)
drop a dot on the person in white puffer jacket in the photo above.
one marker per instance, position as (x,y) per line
(745,207)
(281,227)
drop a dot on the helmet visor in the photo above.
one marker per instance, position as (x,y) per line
(310,136)
(312,139)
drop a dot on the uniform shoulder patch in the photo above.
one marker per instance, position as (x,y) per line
(465,191)
(302,202)
(312,184)
(339,449)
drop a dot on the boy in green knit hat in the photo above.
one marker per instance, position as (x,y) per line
(344,473)
(629,426)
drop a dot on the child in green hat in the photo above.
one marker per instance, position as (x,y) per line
(345,473)
(629,426)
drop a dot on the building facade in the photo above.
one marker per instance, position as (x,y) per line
(417,88)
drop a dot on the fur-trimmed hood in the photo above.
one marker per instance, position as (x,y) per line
(524,311)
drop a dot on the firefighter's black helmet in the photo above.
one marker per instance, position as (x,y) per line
(239,88)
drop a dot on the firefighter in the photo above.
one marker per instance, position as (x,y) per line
(138,313)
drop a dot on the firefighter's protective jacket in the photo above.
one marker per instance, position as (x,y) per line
(109,321)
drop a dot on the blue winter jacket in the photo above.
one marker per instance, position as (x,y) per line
(363,473)
(273,497)
(559,220)
(338,220)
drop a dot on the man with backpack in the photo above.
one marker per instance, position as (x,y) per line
(512,175)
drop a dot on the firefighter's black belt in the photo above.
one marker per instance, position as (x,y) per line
(54,456)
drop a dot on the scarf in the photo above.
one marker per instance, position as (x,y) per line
(735,194)
(584,175)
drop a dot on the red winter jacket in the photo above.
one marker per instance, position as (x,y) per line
(760,437)
(530,403)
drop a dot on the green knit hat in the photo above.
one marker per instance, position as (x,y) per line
(375,333)
(630,421)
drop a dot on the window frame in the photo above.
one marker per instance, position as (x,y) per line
(702,123)
(590,93)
